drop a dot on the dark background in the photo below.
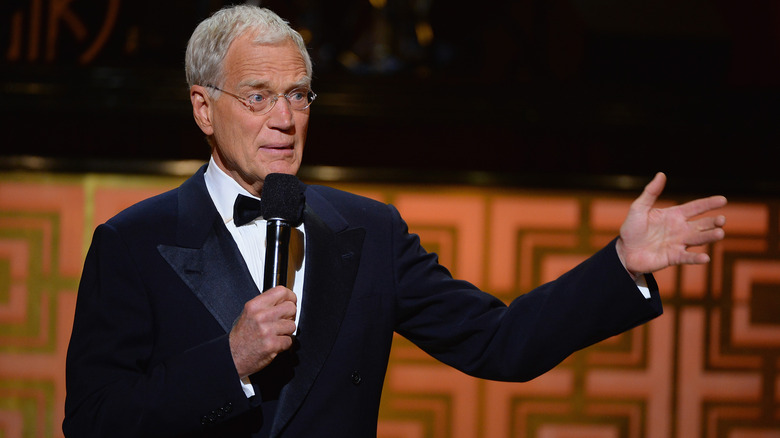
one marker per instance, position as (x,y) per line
(552,91)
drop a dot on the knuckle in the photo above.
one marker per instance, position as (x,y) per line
(253,306)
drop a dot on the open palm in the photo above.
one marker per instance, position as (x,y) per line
(654,238)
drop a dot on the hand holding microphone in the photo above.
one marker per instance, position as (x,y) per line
(267,322)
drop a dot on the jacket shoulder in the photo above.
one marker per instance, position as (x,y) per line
(165,207)
(152,210)
(342,197)
(352,207)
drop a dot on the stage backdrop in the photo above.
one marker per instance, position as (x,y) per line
(706,368)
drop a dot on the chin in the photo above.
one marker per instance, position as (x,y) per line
(289,170)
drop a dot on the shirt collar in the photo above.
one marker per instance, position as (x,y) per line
(223,190)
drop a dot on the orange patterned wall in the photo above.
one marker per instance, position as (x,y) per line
(707,368)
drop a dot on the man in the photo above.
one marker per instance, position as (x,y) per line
(172,336)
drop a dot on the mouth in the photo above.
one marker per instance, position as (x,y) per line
(277,148)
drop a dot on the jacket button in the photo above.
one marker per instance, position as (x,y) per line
(356,378)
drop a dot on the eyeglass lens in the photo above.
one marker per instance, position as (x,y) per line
(299,99)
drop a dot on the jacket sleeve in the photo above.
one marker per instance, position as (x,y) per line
(114,388)
(478,334)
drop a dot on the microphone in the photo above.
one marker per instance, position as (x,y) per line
(283,202)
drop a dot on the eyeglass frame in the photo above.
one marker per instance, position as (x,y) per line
(273,98)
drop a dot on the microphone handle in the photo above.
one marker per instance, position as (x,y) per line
(277,249)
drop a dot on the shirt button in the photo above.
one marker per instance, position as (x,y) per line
(356,378)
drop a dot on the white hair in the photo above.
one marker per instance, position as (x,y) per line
(210,41)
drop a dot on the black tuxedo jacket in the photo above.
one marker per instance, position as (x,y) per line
(163,283)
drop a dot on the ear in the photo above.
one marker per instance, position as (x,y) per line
(201,109)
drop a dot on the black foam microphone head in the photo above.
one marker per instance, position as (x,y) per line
(283,198)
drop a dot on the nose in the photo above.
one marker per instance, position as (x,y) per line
(280,115)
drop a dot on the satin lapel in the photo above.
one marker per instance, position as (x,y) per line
(206,258)
(332,261)
(216,273)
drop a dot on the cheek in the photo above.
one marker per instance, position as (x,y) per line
(224,132)
(239,137)
(302,125)
(236,145)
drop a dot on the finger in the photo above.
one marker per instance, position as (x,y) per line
(268,308)
(705,237)
(280,294)
(285,342)
(288,311)
(651,192)
(285,310)
(708,223)
(694,258)
(702,205)
(286,327)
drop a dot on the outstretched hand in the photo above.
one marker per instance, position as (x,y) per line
(654,238)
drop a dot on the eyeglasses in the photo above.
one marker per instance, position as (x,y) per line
(262,102)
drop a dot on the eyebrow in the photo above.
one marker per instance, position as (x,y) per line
(304,82)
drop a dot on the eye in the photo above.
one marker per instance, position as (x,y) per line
(256,98)
(297,95)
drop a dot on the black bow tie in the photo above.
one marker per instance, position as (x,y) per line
(246,209)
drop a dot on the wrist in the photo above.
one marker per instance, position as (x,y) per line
(620,249)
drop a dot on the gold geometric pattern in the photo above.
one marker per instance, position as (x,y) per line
(706,368)
(40,261)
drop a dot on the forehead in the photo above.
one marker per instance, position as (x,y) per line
(276,65)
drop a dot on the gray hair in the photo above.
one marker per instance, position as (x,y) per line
(210,41)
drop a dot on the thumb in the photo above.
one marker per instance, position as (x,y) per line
(651,192)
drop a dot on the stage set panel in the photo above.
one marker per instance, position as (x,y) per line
(706,368)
